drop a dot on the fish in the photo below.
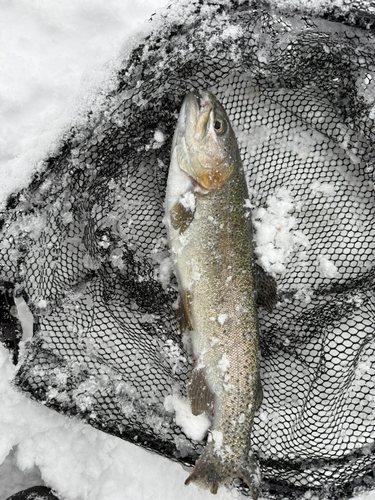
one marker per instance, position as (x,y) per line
(209,229)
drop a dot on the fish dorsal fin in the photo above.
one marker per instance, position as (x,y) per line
(266,288)
(199,393)
(182,212)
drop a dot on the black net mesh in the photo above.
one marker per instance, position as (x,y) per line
(86,244)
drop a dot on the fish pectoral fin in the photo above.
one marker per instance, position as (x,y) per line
(266,288)
(199,393)
(181,216)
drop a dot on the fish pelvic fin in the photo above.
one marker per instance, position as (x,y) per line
(211,471)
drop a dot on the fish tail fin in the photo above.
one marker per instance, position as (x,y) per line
(207,475)
(211,471)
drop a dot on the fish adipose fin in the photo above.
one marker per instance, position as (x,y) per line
(211,471)
(199,393)
(266,288)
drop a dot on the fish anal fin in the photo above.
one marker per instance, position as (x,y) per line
(199,393)
(181,216)
(266,288)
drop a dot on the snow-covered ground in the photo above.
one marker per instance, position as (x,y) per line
(54,57)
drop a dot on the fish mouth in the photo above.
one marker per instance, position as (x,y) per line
(199,105)
(193,120)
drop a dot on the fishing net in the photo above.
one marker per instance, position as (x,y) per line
(85,243)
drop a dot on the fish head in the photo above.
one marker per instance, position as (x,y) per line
(204,140)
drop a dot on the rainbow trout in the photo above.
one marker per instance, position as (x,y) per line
(210,237)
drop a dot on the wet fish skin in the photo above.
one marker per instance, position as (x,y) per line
(210,235)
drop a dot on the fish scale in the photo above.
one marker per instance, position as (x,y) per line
(211,247)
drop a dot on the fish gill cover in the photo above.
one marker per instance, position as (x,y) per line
(85,243)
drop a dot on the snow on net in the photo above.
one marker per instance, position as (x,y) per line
(86,246)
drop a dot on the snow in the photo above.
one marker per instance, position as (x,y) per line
(275,236)
(217,437)
(221,318)
(78,461)
(55,57)
(194,426)
(327,267)
(40,446)
(224,363)
(159,136)
(325,188)
(164,272)
(188,201)
(313,6)
(173,355)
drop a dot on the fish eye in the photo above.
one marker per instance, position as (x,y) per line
(218,126)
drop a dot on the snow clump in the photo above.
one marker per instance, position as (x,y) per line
(275,236)
(194,426)
(327,267)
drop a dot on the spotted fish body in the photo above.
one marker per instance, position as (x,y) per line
(210,236)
